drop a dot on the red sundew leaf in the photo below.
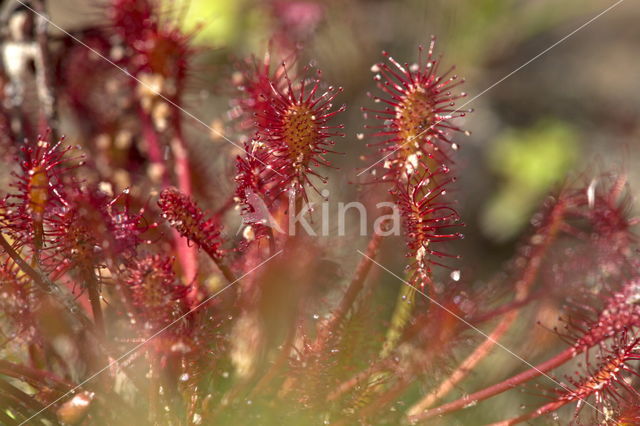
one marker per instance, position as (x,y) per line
(620,312)
(416,117)
(183,214)
(155,294)
(158,45)
(253,80)
(428,220)
(606,381)
(415,144)
(132,18)
(253,183)
(594,269)
(41,186)
(297,134)
(94,228)
(605,387)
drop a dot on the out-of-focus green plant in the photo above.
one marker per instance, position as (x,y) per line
(529,162)
(217,20)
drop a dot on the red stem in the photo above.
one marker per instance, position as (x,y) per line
(549,408)
(181,155)
(187,256)
(544,238)
(496,389)
(463,369)
(183,176)
(501,310)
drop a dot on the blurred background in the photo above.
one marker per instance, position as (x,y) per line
(570,114)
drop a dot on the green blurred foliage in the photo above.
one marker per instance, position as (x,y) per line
(218,22)
(529,162)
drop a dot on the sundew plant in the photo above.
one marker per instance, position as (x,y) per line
(280,245)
